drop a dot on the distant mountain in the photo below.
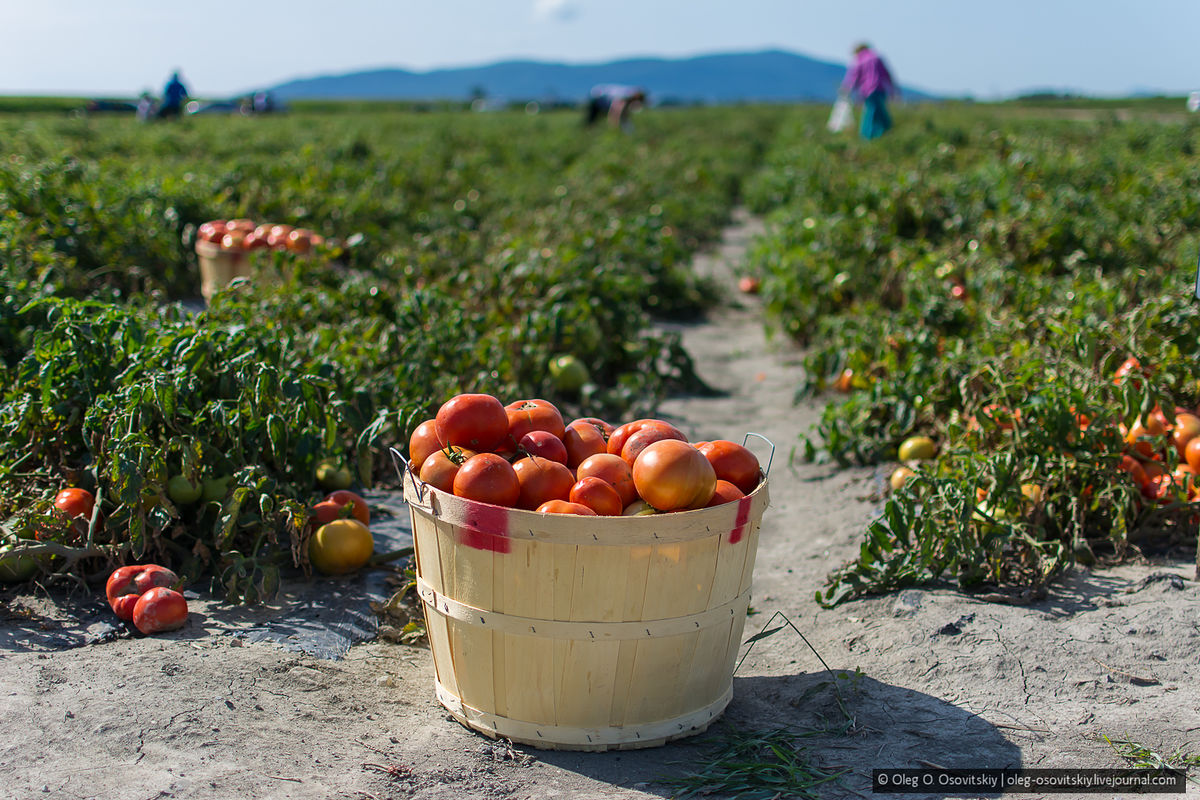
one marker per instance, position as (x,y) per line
(770,76)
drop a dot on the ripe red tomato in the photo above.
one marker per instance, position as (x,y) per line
(732,462)
(422,444)
(278,236)
(439,469)
(75,503)
(604,427)
(643,437)
(621,434)
(545,445)
(533,415)
(725,492)
(598,495)
(1132,370)
(488,478)
(541,479)
(211,231)
(613,470)
(126,584)
(583,439)
(477,421)
(160,609)
(345,497)
(1192,454)
(1187,427)
(671,475)
(564,507)
(301,240)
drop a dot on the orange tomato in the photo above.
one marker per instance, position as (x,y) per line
(643,438)
(598,495)
(439,469)
(1192,454)
(564,507)
(422,444)
(583,439)
(533,415)
(622,433)
(725,492)
(733,462)
(1187,427)
(671,475)
(613,470)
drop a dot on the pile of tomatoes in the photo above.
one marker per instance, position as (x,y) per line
(524,455)
(243,235)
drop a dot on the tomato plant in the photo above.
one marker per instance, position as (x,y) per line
(598,495)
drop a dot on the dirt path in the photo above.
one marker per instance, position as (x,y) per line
(221,709)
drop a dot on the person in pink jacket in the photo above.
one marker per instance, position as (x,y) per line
(869,78)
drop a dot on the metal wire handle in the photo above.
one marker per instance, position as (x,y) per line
(418,485)
(770,458)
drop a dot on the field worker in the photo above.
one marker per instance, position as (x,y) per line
(615,101)
(869,77)
(174,95)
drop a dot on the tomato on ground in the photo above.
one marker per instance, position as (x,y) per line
(488,478)
(359,510)
(340,546)
(160,609)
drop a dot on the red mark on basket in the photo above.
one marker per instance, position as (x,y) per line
(486,528)
(739,524)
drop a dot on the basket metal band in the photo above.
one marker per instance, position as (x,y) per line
(581,631)
(547,735)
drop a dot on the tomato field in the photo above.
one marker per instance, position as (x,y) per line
(976,277)
(462,253)
(1019,291)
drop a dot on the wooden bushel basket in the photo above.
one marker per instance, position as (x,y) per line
(583,633)
(219,266)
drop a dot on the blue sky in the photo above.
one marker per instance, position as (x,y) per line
(987,50)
